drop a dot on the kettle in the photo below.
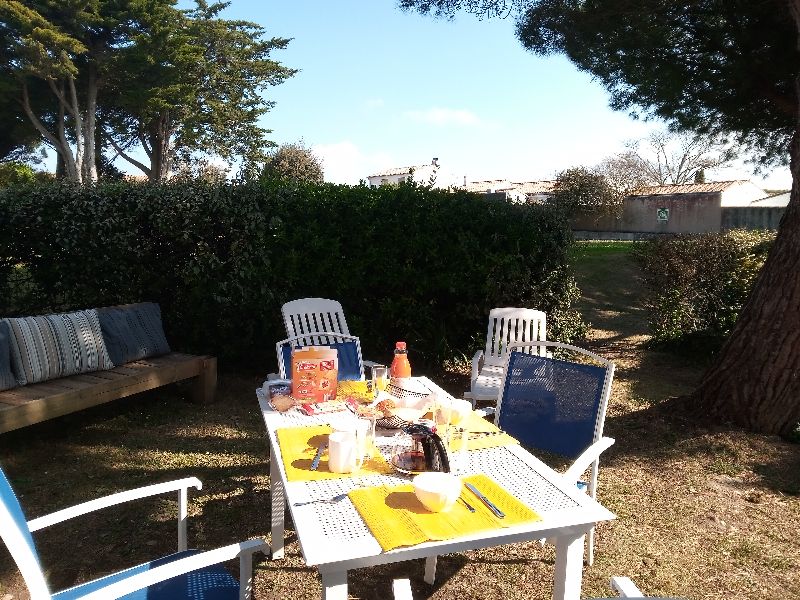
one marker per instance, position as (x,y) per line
(419,449)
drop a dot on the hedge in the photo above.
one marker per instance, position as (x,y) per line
(405,262)
(697,284)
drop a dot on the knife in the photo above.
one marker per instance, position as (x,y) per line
(318,455)
(497,512)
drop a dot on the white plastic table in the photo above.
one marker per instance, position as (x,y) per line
(335,539)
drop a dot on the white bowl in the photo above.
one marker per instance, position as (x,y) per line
(438,492)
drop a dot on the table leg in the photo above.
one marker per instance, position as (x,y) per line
(278,496)
(334,585)
(430,570)
(569,567)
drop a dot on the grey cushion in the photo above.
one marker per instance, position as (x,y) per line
(7,379)
(52,346)
(133,331)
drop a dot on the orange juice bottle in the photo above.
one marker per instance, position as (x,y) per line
(400,368)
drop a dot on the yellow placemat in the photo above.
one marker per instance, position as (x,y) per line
(299,445)
(396,517)
(483,434)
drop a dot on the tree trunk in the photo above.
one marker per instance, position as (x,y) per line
(160,134)
(755,382)
(88,130)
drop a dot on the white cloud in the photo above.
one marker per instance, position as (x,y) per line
(443,116)
(344,162)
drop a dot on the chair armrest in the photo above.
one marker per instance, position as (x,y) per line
(625,587)
(244,550)
(112,500)
(477,365)
(587,457)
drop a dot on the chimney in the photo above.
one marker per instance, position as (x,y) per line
(435,161)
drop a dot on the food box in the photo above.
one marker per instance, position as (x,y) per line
(314,374)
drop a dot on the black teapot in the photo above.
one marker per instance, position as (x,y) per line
(419,449)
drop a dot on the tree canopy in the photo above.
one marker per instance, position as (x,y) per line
(293,161)
(581,190)
(664,158)
(143,74)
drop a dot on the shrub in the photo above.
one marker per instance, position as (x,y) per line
(697,284)
(406,262)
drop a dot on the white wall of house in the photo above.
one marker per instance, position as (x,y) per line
(741,194)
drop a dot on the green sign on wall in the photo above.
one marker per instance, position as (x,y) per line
(662,214)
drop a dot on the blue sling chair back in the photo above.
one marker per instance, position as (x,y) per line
(558,406)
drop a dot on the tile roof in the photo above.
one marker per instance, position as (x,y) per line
(502,185)
(687,188)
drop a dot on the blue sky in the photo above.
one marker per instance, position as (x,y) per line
(380,88)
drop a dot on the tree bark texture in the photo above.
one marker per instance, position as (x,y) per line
(755,382)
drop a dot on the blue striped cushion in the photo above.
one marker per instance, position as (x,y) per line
(52,346)
(7,379)
(133,331)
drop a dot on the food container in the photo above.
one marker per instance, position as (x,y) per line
(314,374)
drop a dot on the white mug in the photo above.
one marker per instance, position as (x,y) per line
(344,452)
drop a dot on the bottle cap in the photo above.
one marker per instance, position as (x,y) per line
(400,346)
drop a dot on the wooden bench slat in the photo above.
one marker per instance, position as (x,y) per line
(41,401)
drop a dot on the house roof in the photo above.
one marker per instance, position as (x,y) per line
(776,200)
(537,187)
(688,188)
(503,185)
(399,171)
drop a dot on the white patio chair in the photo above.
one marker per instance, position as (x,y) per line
(189,574)
(507,326)
(557,406)
(312,320)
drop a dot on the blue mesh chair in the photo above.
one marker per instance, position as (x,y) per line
(185,574)
(351,365)
(558,406)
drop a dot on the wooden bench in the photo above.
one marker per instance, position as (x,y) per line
(39,402)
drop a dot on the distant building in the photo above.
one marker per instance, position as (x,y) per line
(689,208)
(422,174)
(531,192)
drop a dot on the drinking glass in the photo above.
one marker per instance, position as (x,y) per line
(366,430)
(380,379)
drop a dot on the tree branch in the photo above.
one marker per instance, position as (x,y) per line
(26,106)
(139,165)
(146,146)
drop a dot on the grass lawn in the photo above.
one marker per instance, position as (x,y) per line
(701,513)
